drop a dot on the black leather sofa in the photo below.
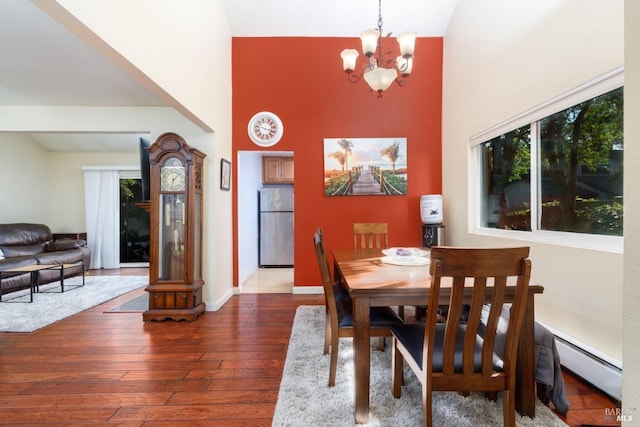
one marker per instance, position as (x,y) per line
(24,244)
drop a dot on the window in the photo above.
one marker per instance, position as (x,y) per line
(581,151)
(557,168)
(506,166)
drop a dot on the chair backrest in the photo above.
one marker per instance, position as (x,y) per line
(325,271)
(370,235)
(487,272)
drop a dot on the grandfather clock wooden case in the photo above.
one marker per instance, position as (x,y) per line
(175,264)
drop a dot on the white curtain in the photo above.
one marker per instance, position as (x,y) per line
(102,216)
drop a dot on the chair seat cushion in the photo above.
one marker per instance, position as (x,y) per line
(379,316)
(340,291)
(412,338)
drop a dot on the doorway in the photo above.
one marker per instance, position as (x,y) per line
(252,278)
(134,223)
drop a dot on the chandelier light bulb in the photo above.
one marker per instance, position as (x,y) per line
(369,39)
(380,79)
(404,65)
(349,57)
(407,42)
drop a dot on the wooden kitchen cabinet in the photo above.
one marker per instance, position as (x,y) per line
(277,170)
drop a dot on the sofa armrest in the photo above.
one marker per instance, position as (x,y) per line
(65,244)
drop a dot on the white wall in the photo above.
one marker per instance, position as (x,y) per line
(249,163)
(181,51)
(66,185)
(24,192)
(631,296)
(502,58)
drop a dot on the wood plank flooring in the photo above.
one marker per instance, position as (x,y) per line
(110,368)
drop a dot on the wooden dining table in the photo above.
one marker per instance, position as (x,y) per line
(372,283)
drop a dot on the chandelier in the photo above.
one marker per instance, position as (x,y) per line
(379,72)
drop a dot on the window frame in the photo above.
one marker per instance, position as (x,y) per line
(601,85)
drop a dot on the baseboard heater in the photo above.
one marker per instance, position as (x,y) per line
(604,374)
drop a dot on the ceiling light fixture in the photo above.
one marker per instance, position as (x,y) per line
(379,72)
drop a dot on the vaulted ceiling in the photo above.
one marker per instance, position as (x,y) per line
(42,63)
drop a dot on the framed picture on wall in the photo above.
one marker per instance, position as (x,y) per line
(365,166)
(225,174)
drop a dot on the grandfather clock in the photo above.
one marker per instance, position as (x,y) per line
(175,255)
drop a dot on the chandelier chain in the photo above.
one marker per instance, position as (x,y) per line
(378,61)
(380,16)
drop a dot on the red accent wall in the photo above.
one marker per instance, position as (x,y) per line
(301,80)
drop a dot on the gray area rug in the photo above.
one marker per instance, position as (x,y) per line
(305,399)
(50,305)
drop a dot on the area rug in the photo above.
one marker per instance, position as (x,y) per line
(50,305)
(305,399)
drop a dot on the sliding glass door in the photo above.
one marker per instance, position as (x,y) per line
(134,222)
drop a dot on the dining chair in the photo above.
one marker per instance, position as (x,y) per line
(451,356)
(339,311)
(339,289)
(373,235)
(370,235)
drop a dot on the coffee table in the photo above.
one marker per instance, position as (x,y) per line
(34,270)
(63,268)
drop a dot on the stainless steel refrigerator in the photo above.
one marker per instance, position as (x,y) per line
(276,226)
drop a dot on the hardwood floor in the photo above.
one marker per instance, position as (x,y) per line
(588,405)
(110,368)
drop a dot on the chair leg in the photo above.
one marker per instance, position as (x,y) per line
(327,334)
(334,360)
(541,392)
(509,408)
(380,343)
(397,363)
(421,311)
(427,406)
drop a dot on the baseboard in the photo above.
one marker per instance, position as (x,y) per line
(216,305)
(308,290)
(601,371)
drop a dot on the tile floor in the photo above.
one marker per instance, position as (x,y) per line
(269,281)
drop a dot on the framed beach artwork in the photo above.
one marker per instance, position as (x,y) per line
(365,166)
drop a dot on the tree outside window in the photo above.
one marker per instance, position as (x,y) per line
(579,169)
(581,153)
(507,162)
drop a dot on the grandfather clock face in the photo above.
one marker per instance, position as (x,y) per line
(172,175)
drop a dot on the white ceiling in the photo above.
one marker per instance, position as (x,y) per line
(336,18)
(42,63)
